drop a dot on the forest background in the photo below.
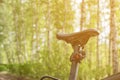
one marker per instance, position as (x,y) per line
(28,44)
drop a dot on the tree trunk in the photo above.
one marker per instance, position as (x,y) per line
(110,55)
(64,23)
(48,26)
(97,52)
(82,15)
(98,19)
(36,13)
(16,13)
(113,33)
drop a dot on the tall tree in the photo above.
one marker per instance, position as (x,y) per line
(113,33)
(98,20)
(97,51)
(35,30)
(82,15)
(110,48)
(48,25)
(17,24)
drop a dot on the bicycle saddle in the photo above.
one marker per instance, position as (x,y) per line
(78,38)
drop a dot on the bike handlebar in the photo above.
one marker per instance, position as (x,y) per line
(53,78)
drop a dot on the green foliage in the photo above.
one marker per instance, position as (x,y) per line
(3,67)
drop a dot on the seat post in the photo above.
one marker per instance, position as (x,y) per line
(75,58)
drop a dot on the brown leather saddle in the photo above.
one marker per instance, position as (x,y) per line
(78,38)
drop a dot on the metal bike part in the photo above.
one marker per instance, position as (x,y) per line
(113,77)
(49,77)
(75,62)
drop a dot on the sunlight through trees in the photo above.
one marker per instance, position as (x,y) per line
(28,44)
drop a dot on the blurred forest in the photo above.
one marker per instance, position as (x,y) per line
(28,44)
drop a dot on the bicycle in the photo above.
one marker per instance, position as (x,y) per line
(78,40)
